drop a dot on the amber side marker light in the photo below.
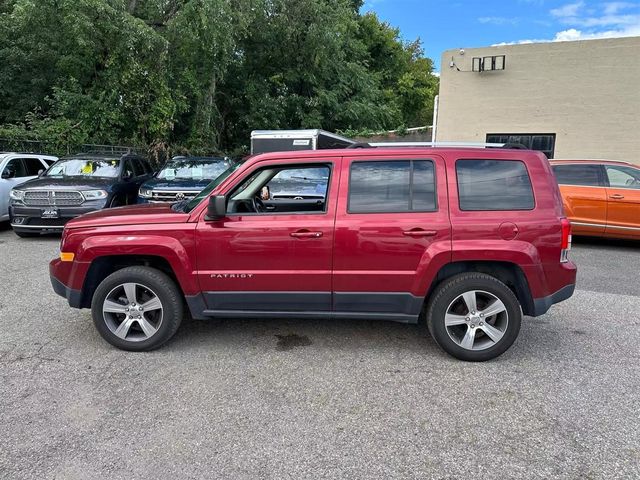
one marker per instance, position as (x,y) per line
(67,257)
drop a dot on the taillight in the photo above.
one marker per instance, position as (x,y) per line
(565,244)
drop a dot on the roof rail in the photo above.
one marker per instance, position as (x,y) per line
(439,144)
(107,149)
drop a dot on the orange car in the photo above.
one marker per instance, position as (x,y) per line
(601,197)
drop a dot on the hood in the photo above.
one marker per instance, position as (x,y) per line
(176,184)
(153,213)
(61,183)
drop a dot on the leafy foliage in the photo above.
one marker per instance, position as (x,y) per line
(201,74)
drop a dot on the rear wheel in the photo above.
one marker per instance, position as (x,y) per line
(137,308)
(474,317)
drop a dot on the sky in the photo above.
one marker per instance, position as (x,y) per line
(442,24)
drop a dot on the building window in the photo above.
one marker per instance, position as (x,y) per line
(543,142)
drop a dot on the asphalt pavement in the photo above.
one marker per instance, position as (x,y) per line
(319,399)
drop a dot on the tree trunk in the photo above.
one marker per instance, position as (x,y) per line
(132,6)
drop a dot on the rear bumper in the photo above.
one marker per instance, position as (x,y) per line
(542,305)
(74,297)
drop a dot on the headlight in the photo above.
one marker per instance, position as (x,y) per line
(16,194)
(146,192)
(94,194)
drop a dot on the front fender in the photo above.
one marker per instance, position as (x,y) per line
(177,250)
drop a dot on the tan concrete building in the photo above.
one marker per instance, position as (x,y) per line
(570,99)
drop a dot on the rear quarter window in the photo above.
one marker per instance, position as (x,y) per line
(489,185)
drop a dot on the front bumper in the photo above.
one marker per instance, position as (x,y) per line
(29,219)
(74,297)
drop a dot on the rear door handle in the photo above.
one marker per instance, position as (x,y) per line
(616,196)
(418,232)
(305,234)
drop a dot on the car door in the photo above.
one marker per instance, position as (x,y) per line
(623,196)
(270,261)
(16,171)
(584,196)
(392,217)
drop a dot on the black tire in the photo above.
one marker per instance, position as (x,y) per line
(448,291)
(161,285)
(115,202)
(26,234)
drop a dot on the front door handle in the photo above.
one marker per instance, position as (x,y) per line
(419,232)
(305,234)
(616,196)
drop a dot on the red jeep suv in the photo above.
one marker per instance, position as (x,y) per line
(468,239)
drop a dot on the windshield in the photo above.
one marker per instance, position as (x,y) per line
(194,168)
(191,204)
(82,167)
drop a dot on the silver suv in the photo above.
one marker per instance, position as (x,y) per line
(17,168)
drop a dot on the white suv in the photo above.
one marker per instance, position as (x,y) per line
(17,168)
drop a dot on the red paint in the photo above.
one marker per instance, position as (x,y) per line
(334,251)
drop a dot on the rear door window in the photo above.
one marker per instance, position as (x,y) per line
(392,186)
(33,166)
(494,185)
(586,175)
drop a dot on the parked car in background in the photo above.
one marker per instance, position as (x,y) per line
(469,239)
(182,178)
(73,186)
(17,168)
(601,197)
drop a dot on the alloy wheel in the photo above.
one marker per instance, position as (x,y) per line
(476,320)
(132,312)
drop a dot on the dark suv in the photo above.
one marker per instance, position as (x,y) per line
(467,239)
(73,186)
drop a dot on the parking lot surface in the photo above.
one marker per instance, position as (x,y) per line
(319,399)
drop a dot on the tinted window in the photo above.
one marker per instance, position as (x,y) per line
(494,185)
(17,167)
(398,186)
(625,177)
(33,166)
(589,175)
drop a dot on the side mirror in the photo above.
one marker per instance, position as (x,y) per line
(127,175)
(8,173)
(217,208)
(40,172)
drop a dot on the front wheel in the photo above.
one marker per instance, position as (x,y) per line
(137,308)
(474,317)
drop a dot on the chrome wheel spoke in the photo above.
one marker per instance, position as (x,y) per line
(470,301)
(114,307)
(148,329)
(452,319)
(153,304)
(493,309)
(123,329)
(468,339)
(492,332)
(130,292)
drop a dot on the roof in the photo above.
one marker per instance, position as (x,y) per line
(395,151)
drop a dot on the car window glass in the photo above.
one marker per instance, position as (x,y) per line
(17,167)
(137,167)
(33,166)
(624,177)
(300,183)
(275,189)
(80,167)
(587,175)
(493,185)
(392,186)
